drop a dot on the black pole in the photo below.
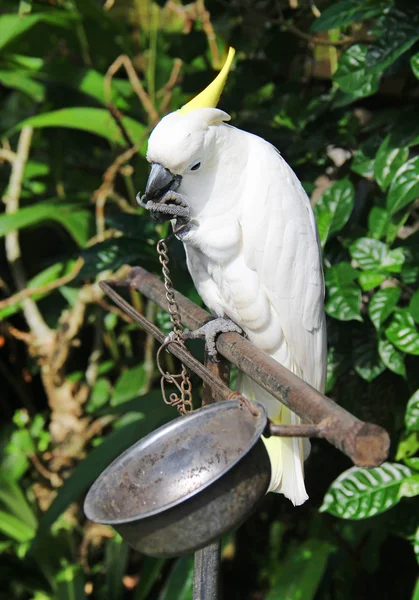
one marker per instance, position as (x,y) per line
(206,577)
(206,572)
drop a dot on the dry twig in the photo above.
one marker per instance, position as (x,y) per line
(124,61)
(167,90)
(191,13)
(107,187)
(7,155)
(11,199)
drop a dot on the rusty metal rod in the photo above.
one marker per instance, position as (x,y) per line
(366,444)
(218,389)
(319,430)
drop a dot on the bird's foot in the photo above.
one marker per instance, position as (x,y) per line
(170,206)
(209,332)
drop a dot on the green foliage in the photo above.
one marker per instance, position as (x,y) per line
(345,116)
(93,120)
(412,413)
(361,493)
(180,581)
(334,208)
(353,76)
(301,572)
(344,302)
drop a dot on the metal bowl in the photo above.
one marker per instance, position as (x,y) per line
(186,484)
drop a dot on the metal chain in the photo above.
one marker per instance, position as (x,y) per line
(183,399)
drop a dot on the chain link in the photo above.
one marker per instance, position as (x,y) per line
(182,400)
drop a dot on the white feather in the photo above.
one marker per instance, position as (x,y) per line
(254,256)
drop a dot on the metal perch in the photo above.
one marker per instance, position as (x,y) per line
(366,444)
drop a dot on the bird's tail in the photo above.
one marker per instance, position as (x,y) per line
(286,454)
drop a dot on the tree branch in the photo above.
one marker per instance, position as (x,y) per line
(124,61)
(11,199)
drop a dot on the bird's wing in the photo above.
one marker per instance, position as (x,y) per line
(280,243)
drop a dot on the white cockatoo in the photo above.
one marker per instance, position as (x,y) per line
(252,250)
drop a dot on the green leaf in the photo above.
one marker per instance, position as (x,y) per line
(352,74)
(100,394)
(415,595)
(150,571)
(362,164)
(46,276)
(362,493)
(405,186)
(411,418)
(344,296)
(410,270)
(388,161)
(92,120)
(410,487)
(400,30)
(392,359)
(337,363)
(15,528)
(12,497)
(416,550)
(179,584)
(403,333)
(408,446)
(13,26)
(18,80)
(29,63)
(364,156)
(116,561)
(368,280)
(412,463)
(372,255)
(334,208)
(70,583)
(300,574)
(414,63)
(76,218)
(382,304)
(367,361)
(86,81)
(378,220)
(414,306)
(111,254)
(339,14)
(129,385)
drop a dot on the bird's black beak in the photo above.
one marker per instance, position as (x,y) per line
(160,181)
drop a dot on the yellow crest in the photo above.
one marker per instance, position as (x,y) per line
(209,97)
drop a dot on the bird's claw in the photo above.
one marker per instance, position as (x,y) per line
(169,339)
(209,332)
(177,209)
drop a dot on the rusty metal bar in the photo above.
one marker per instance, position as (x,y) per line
(298,430)
(366,444)
(219,390)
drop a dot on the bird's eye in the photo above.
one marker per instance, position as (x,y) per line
(195,166)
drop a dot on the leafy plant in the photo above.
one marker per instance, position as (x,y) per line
(82,83)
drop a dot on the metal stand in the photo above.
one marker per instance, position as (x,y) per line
(206,572)
(206,576)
